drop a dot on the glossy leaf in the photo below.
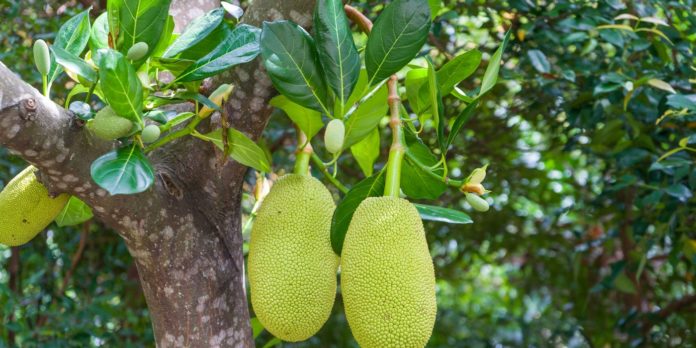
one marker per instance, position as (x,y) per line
(539,61)
(241,46)
(195,32)
(490,77)
(417,89)
(308,120)
(370,187)
(366,117)
(99,36)
(73,37)
(292,64)
(438,112)
(242,149)
(440,214)
(415,181)
(165,39)
(124,171)
(74,213)
(366,152)
(460,121)
(142,21)
(120,84)
(74,64)
(397,36)
(337,53)
(457,70)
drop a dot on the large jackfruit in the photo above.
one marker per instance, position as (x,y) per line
(387,275)
(292,268)
(26,208)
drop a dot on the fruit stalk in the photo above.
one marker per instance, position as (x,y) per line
(398,148)
(303,154)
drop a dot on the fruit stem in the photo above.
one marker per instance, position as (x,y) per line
(303,154)
(44,80)
(398,147)
(175,135)
(322,168)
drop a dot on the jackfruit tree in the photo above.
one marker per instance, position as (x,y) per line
(163,122)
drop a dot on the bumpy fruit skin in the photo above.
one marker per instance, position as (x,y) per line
(26,208)
(107,125)
(42,57)
(150,133)
(387,276)
(292,268)
(334,136)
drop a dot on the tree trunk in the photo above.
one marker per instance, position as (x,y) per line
(184,233)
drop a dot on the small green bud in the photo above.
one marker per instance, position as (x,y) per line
(138,51)
(478,203)
(334,136)
(42,57)
(150,133)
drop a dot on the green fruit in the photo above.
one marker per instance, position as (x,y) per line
(150,133)
(42,57)
(387,275)
(478,203)
(292,268)
(137,51)
(334,136)
(26,208)
(108,125)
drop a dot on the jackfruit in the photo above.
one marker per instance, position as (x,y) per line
(108,125)
(292,267)
(387,275)
(26,208)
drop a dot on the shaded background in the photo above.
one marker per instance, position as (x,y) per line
(590,240)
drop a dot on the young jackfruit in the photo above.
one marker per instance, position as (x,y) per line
(387,275)
(292,268)
(26,208)
(107,125)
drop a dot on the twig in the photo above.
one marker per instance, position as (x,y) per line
(358,18)
(76,258)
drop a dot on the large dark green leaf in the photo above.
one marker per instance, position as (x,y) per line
(241,46)
(74,213)
(73,37)
(74,64)
(124,171)
(415,181)
(440,214)
(142,21)
(120,84)
(337,53)
(292,64)
(396,38)
(241,148)
(490,77)
(370,187)
(195,32)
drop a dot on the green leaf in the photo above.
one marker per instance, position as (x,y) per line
(457,70)
(366,117)
(437,112)
(120,84)
(113,11)
(681,101)
(175,65)
(415,182)
(370,187)
(99,36)
(417,89)
(195,32)
(292,64)
(74,213)
(154,101)
(539,61)
(74,64)
(165,39)
(242,149)
(366,152)
(142,21)
(680,192)
(337,53)
(308,120)
(241,46)
(397,36)
(124,171)
(73,37)
(440,214)
(459,122)
(490,77)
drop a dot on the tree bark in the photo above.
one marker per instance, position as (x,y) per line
(184,233)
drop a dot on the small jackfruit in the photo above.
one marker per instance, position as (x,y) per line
(26,208)
(387,276)
(108,125)
(292,267)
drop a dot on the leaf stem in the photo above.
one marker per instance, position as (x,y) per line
(91,90)
(175,135)
(398,148)
(324,171)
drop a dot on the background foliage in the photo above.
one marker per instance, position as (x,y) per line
(589,239)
